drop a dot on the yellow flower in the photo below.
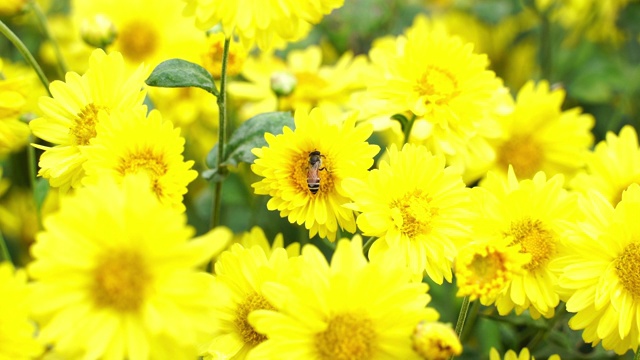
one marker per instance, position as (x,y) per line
(305,196)
(613,165)
(315,84)
(212,57)
(14,101)
(240,275)
(436,341)
(417,208)
(330,312)
(265,23)
(115,276)
(17,333)
(436,80)
(600,272)
(130,143)
(147,31)
(483,269)
(256,237)
(71,115)
(534,213)
(512,355)
(539,136)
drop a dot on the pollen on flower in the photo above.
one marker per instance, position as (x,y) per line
(84,125)
(347,337)
(534,239)
(435,341)
(252,302)
(120,281)
(412,213)
(144,159)
(137,40)
(523,153)
(438,85)
(628,268)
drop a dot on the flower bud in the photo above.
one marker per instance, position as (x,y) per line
(98,31)
(435,341)
(283,83)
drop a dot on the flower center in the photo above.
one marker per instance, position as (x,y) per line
(247,332)
(83,128)
(437,85)
(212,58)
(524,154)
(347,337)
(302,176)
(138,40)
(534,239)
(144,160)
(121,281)
(412,214)
(628,268)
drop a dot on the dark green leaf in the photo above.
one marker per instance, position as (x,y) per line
(246,137)
(182,73)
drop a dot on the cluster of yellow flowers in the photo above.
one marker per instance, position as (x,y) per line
(506,196)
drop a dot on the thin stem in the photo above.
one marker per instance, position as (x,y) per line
(222,133)
(367,245)
(542,333)
(42,21)
(462,317)
(546,53)
(4,250)
(4,29)
(33,170)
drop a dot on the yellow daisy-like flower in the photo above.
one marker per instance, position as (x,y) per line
(265,23)
(436,341)
(304,170)
(332,312)
(115,276)
(212,57)
(256,237)
(71,115)
(240,274)
(418,209)
(613,165)
(130,143)
(436,80)
(14,100)
(512,355)
(539,136)
(484,269)
(316,84)
(17,333)
(147,31)
(534,213)
(600,272)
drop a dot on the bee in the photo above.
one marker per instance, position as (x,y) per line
(315,165)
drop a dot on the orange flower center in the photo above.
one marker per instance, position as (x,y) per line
(534,239)
(524,154)
(413,213)
(83,128)
(347,337)
(437,85)
(628,268)
(246,331)
(138,40)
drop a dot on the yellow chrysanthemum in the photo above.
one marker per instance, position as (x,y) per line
(115,276)
(539,136)
(305,196)
(212,56)
(14,96)
(17,333)
(418,209)
(613,165)
(436,341)
(437,82)
(147,32)
(512,355)
(240,275)
(332,312)
(535,213)
(600,272)
(132,142)
(71,115)
(316,84)
(484,269)
(256,237)
(265,23)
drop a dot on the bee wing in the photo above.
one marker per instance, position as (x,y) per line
(312,173)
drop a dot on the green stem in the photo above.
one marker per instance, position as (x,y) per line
(462,317)
(42,21)
(542,333)
(367,245)
(546,53)
(4,29)
(4,250)
(472,318)
(33,170)
(222,133)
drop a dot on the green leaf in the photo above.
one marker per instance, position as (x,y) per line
(40,192)
(182,73)
(247,136)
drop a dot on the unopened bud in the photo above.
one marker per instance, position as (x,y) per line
(435,341)
(283,83)
(98,31)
